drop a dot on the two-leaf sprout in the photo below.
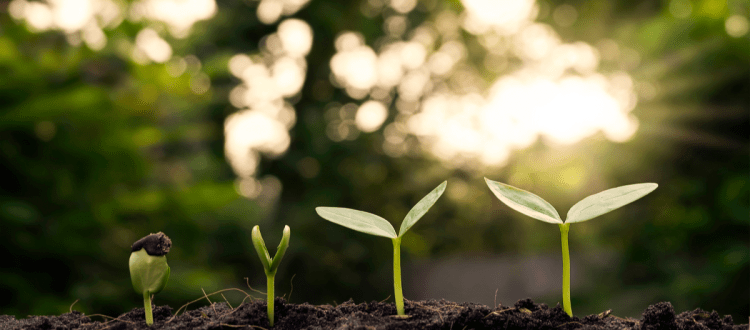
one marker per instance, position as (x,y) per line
(369,223)
(149,271)
(587,209)
(270,265)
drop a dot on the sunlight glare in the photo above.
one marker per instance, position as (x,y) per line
(248,133)
(736,26)
(370,116)
(504,16)
(296,37)
(270,80)
(553,91)
(154,47)
(38,15)
(356,67)
(180,15)
(94,37)
(288,76)
(403,6)
(71,15)
(270,11)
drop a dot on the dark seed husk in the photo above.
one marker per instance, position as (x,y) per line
(155,244)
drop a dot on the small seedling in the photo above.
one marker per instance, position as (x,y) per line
(149,271)
(270,265)
(587,209)
(369,223)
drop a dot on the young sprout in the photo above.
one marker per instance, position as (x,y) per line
(270,265)
(369,223)
(149,271)
(587,209)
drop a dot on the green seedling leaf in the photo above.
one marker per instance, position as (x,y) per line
(365,222)
(524,202)
(148,273)
(369,223)
(260,248)
(421,208)
(270,265)
(588,208)
(608,200)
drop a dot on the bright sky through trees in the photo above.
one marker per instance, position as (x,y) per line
(422,76)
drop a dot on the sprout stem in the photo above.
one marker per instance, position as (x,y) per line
(397,275)
(147,308)
(566,268)
(270,296)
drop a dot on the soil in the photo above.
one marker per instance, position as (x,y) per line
(431,314)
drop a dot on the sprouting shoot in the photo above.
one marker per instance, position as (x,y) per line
(270,265)
(369,223)
(586,209)
(149,271)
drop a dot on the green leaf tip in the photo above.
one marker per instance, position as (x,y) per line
(608,200)
(421,208)
(524,202)
(270,265)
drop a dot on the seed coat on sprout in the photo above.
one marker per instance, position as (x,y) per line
(149,272)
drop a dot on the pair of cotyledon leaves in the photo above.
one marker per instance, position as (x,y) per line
(374,225)
(517,199)
(587,209)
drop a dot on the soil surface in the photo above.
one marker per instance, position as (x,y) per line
(431,314)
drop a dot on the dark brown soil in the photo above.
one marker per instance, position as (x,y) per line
(432,314)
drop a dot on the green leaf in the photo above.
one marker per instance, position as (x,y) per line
(148,273)
(524,202)
(421,208)
(281,250)
(608,200)
(260,248)
(270,265)
(358,220)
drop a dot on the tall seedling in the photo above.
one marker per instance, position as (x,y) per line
(587,209)
(369,223)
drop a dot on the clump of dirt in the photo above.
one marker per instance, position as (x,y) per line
(430,314)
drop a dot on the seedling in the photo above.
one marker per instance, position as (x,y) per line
(587,209)
(149,271)
(270,265)
(369,223)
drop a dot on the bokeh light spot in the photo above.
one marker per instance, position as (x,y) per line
(736,26)
(296,37)
(154,47)
(370,116)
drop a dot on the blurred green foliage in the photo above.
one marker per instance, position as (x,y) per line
(98,151)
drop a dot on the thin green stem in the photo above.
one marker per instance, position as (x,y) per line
(397,275)
(147,308)
(270,296)
(566,268)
